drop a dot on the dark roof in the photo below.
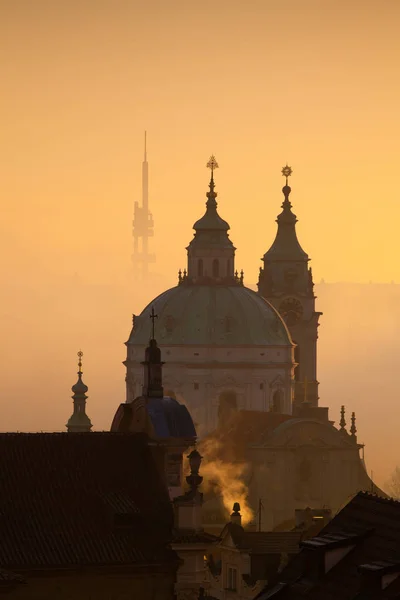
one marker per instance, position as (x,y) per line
(193,537)
(70,499)
(271,542)
(7,578)
(370,526)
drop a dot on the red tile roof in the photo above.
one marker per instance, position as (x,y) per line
(71,499)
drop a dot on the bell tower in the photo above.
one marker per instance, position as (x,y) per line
(286,281)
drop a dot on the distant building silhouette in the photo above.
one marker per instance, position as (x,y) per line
(79,421)
(143,225)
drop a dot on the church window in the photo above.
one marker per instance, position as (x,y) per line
(215,267)
(231,579)
(200,267)
(261,386)
(196,385)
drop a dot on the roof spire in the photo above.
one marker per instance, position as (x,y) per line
(79,421)
(342,422)
(153,317)
(353,429)
(211,195)
(286,172)
(152,365)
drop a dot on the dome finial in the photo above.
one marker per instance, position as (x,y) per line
(79,355)
(212,164)
(286,172)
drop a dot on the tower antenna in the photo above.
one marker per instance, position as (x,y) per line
(143,224)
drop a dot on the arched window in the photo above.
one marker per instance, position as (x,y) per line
(215,267)
(297,360)
(200,267)
(228,267)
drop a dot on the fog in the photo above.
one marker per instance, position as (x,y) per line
(43,326)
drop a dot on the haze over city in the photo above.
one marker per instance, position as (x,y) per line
(314,85)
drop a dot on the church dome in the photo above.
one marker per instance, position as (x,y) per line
(226,315)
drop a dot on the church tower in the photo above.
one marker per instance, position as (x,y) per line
(211,254)
(79,421)
(286,281)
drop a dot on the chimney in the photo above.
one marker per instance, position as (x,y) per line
(187,508)
(236,517)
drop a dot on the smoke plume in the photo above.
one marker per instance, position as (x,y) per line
(226,479)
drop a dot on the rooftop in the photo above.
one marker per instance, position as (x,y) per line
(92,499)
(369,528)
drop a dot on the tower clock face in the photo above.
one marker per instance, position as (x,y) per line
(291,310)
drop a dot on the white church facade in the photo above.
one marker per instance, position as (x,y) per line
(225,347)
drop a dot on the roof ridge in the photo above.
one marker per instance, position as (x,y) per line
(376,497)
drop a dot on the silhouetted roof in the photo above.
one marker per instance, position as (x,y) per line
(193,537)
(264,542)
(369,523)
(70,499)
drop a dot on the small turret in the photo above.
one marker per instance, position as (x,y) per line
(79,421)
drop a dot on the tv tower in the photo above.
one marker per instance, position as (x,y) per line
(143,224)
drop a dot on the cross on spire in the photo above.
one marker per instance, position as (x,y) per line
(80,354)
(212,164)
(153,317)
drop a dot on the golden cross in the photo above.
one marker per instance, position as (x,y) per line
(212,164)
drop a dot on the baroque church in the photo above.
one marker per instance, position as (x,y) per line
(225,347)
(245,365)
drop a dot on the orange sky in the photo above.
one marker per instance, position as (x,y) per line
(258,82)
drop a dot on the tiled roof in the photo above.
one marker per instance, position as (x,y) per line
(71,499)
(193,537)
(264,542)
(375,523)
(271,542)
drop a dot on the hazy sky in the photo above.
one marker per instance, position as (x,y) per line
(258,83)
(315,83)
